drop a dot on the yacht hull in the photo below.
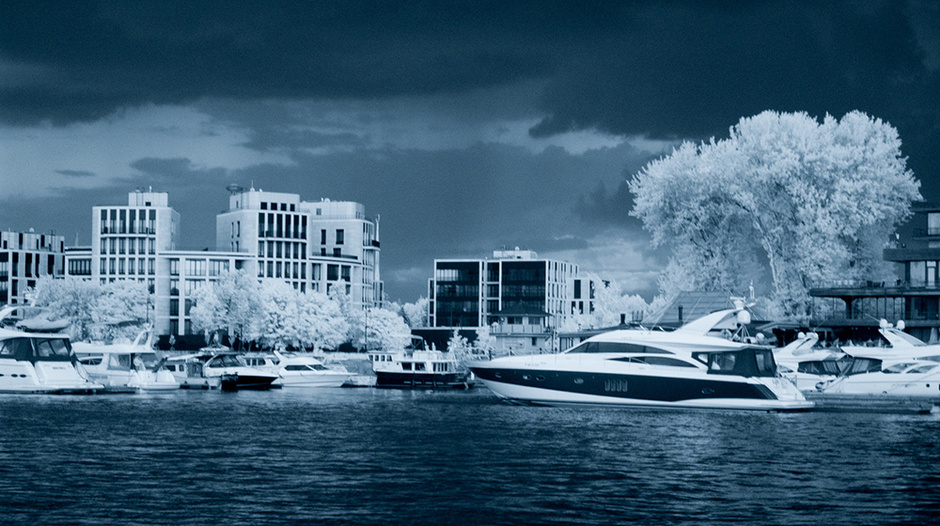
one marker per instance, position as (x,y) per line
(546,387)
(406,380)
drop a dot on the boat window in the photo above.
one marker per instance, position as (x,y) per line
(420,367)
(746,362)
(614,347)
(295,368)
(862,365)
(822,367)
(898,367)
(406,366)
(52,348)
(145,361)
(91,359)
(225,360)
(653,360)
(119,362)
(319,367)
(922,369)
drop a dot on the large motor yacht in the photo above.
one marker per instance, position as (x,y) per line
(218,367)
(35,360)
(638,367)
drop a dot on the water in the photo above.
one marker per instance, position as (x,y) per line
(368,456)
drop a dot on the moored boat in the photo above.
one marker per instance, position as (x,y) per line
(640,367)
(218,368)
(305,370)
(126,367)
(419,369)
(34,361)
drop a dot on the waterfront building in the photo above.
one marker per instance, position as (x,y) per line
(24,258)
(311,245)
(522,298)
(853,309)
(314,246)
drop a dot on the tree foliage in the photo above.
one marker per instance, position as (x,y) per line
(98,312)
(784,197)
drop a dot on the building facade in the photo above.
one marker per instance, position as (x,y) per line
(315,246)
(520,297)
(320,246)
(854,308)
(24,258)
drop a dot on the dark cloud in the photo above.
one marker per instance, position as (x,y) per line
(75,173)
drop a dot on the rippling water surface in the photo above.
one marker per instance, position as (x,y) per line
(367,456)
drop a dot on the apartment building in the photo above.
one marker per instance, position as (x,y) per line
(522,298)
(25,257)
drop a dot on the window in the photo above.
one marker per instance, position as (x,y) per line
(346,272)
(195,267)
(340,236)
(174,267)
(322,237)
(332,272)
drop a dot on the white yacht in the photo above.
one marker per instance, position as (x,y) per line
(218,368)
(419,369)
(305,370)
(39,362)
(126,367)
(900,345)
(861,378)
(687,368)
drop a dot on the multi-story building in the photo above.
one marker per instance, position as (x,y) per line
(522,298)
(856,307)
(312,245)
(25,257)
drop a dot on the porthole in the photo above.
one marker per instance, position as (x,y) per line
(707,391)
(526,377)
(578,381)
(498,375)
(540,378)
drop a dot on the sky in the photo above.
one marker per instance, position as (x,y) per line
(464,126)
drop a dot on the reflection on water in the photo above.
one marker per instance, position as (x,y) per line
(367,456)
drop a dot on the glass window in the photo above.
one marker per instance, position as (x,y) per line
(340,236)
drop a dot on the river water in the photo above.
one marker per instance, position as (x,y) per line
(369,456)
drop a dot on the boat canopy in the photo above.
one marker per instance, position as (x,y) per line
(36,349)
(749,361)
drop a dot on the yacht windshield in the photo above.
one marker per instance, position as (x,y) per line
(36,349)
(225,360)
(750,361)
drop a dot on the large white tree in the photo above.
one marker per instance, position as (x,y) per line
(784,196)
(229,304)
(105,312)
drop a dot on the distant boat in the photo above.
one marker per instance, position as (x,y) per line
(419,369)
(37,361)
(304,370)
(218,368)
(130,367)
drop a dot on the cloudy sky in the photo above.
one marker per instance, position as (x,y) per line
(466,126)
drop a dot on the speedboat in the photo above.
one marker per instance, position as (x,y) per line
(691,367)
(419,369)
(304,370)
(126,367)
(34,361)
(218,368)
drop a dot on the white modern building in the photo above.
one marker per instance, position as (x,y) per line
(312,245)
(315,246)
(25,257)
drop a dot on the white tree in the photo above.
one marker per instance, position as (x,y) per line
(461,348)
(323,325)
(71,299)
(276,323)
(384,330)
(814,200)
(416,314)
(229,304)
